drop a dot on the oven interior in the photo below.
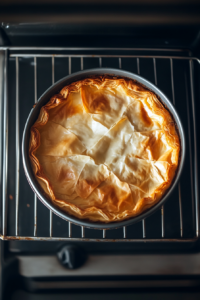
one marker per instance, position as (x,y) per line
(162,250)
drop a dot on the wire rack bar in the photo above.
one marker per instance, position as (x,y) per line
(190,143)
(195,149)
(14,48)
(120,63)
(82,66)
(143,229)
(82,231)
(35,95)
(51,214)
(162,208)
(5,151)
(17,150)
(1,111)
(30,238)
(69,229)
(5,148)
(143,221)
(124,232)
(70,65)
(179,184)
(101,55)
(100,62)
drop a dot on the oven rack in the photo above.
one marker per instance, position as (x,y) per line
(11,58)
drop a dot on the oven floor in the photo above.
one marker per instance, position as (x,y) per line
(22,295)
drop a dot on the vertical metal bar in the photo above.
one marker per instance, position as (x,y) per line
(81,63)
(180,205)
(82,231)
(51,214)
(104,233)
(53,69)
(120,63)
(70,65)
(50,224)
(138,66)
(143,221)
(100,62)
(155,73)
(172,80)
(162,222)
(179,185)
(143,229)
(190,145)
(69,229)
(35,94)
(5,148)
(162,208)
(124,232)
(195,150)
(2,54)
(70,71)
(17,150)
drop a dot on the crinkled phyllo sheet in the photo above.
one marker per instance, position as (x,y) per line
(104,149)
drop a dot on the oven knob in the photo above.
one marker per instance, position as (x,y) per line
(71,256)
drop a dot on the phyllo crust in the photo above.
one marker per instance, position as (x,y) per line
(104,149)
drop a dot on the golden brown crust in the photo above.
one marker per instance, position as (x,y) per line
(104,149)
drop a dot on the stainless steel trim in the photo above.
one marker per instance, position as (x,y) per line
(195,149)
(104,233)
(113,265)
(5,147)
(35,95)
(17,142)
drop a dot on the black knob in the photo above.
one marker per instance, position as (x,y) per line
(72,256)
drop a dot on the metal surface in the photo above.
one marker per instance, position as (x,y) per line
(5,149)
(69,232)
(113,265)
(45,98)
(17,149)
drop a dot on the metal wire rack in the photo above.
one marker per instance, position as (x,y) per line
(22,68)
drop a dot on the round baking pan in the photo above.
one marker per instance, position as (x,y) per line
(54,89)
